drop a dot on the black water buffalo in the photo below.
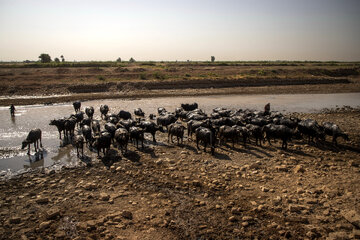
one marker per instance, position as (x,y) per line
(124,115)
(166,120)
(334,130)
(77,106)
(122,138)
(89,112)
(86,131)
(34,136)
(136,135)
(139,112)
(189,107)
(278,132)
(192,125)
(78,141)
(95,126)
(161,111)
(312,129)
(176,129)
(111,128)
(102,142)
(126,124)
(226,132)
(255,132)
(289,122)
(85,121)
(104,109)
(79,116)
(70,124)
(243,132)
(206,136)
(150,127)
(60,124)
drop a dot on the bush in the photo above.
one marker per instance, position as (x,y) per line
(159,76)
(101,78)
(45,58)
(143,76)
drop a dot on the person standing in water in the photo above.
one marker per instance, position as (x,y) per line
(12,110)
(267,109)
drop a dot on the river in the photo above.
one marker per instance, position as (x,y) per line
(14,130)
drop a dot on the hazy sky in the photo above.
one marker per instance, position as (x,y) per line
(180,30)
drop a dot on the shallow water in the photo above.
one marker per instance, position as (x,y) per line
(14,130)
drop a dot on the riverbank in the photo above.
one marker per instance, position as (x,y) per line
(177,192)
(59,83)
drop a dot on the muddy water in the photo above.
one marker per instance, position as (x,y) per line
(56,152)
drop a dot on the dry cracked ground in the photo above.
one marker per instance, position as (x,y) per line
(170,191)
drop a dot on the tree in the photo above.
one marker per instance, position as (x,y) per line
(212,59)
(62,58)
(118,60)
(132,60)
(45,58)
(57,60)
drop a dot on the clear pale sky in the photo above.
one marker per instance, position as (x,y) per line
(180,30)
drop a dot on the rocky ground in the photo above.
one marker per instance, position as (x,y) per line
(170,191)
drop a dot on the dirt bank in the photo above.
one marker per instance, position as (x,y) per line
(177,192)
(171,79)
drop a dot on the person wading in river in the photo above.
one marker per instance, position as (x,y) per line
(12,110)
(267,109)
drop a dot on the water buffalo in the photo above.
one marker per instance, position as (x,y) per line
(176,129)
(189,107)
(279,132)
(102,142)
(77,106)
(226,132)
(312,129)
(166,120)
(150,127)
(89,112)
(136,135)
(95,126)
(111,128)
(85,121)
(70,124)
(86,131)
(60,124)
(126,124)
(333,130)
(161,111)
(206,136)
(78,141)
(122,138)
(255,132)
(139,112)
(124,115)
(104,109)
(192,125)
(34,136)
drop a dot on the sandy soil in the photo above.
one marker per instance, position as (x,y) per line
(309,191)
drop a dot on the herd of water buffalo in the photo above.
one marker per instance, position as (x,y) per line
(211,130)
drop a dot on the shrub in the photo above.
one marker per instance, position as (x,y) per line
(159,76)
(101,78)
(143,76)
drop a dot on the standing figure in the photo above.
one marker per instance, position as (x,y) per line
(12,110)
(267,109)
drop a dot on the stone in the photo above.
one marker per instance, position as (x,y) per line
(52,213)
(299,169)
(42,200)
(352,216)
(44,225)
(104,196)
(127,215)
(14,220)
(356,233)
(296,208)
(338,236)
(282,168)
(232,219)
(264,189)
